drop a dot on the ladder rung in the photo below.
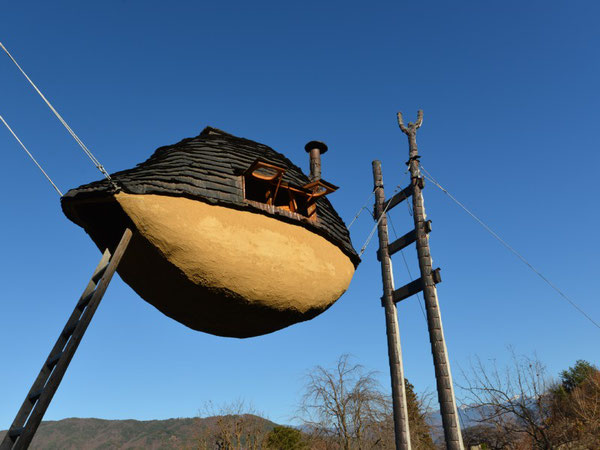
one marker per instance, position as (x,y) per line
(414,287)
(399,197)
(35,396)
(99,274)
(52,361)
(402,242)
(67,332)
(16,432)
(85,300)
(408,290)
(407,239)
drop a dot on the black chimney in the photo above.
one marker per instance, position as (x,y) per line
(315,149)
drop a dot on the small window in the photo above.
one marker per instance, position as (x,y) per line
(263,184)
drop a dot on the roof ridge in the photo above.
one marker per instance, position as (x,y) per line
(208,130)
(212,131)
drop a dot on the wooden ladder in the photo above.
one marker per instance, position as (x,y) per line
(26,423)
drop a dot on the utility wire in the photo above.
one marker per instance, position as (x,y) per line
(510,248)
(99,166)
(30,155)
(361,209)
(366,244)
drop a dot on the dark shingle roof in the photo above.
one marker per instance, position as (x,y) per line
(208,168)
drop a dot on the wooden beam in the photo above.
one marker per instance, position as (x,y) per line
(398,198)
(402,242)
(412,288)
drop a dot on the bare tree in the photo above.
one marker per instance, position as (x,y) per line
(236,426)
(513,400)
(345,408)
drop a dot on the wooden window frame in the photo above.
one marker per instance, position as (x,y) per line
(309,193)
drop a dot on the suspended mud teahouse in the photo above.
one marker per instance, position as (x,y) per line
(232,238)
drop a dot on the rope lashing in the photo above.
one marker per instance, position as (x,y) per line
(31,156)
(89,154)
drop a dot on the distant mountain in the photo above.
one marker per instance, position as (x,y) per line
(88,434)
(469,416)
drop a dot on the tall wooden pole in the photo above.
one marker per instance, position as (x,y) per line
(401,430)
(450,419)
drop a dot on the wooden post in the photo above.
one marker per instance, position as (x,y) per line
(401,429)
(450,419)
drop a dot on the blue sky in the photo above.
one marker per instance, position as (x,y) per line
(511,101)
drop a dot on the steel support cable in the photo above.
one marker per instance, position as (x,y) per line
(95,161)
(30,155)
(510,248)
(366,244)
(361,209)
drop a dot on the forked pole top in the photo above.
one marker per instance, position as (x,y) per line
(411,128)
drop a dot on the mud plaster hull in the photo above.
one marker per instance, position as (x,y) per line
(220,270)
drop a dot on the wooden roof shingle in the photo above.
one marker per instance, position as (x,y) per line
(208,168)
